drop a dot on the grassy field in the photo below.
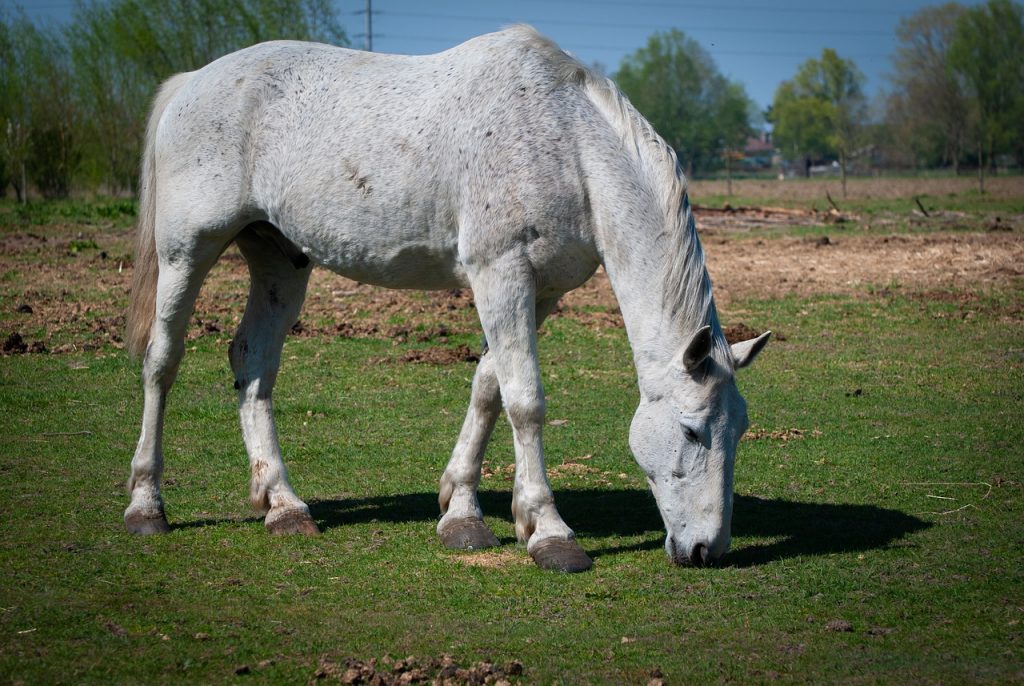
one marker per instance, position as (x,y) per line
(878,527)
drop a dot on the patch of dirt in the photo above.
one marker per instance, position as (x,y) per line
(493,559)
(850,264)
(882,188)
(57,300)
(740,332)
(756,433)
(460,353)
(443,671)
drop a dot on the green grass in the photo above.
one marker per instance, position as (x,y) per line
(117,212)
(906,409)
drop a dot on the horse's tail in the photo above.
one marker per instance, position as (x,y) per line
(142,303)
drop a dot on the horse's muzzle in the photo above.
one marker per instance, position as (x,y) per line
(698,556)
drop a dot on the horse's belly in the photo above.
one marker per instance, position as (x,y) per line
(414,264)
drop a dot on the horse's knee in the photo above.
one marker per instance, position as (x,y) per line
(525,412)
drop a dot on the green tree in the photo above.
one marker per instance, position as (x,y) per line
(928,110)
(15,111)
(820,111)
(38,117)
(987,53)
(123,49)
(676,85)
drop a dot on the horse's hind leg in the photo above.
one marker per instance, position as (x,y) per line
(462,524)
(177,288)
(276,293)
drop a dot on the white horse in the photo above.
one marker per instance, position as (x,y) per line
(502,165)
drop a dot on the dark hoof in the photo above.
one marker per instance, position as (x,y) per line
(138,523)
(467,533)
(293,522)
(560,555)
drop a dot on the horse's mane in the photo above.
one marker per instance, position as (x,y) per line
(686,286)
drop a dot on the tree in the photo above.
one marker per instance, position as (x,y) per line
(676,85)
(820,111)
(123,49)
(77,99)
(15,112)
(987,53)
(928,109)
(38,117)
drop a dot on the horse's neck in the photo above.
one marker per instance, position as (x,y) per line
(643,253)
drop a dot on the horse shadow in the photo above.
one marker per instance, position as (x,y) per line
(795,529)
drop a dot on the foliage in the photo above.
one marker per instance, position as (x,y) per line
(928,110)
(23,90)
(820,111)
(78,98)
(676,85)
(987,52)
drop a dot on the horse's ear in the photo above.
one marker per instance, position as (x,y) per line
(695,351)
(743,354)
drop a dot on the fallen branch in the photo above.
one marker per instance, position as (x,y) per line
(832,202)
(917,199)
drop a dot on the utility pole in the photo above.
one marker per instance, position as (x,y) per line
(368,23)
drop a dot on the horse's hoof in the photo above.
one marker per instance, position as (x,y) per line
(467,533)
(145,525)
(561,555)
(292,522)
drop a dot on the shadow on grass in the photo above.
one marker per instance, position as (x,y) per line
(796,529)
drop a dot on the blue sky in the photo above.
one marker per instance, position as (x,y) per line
(757,42)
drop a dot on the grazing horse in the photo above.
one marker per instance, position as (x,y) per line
(502,165)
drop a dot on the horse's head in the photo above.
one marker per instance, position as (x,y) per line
(685,441)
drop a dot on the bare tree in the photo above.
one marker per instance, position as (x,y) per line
(929,107)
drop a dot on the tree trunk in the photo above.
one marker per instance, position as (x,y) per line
(981,168)
(728,173)
(842,171)
(21,186)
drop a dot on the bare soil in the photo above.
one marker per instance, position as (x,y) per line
(413,670)
(58,298)
(881,188)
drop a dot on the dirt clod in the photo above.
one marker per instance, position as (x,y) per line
(116,629)
(460,353)
(443,670)
(839,626)
(14,345)
(737,333)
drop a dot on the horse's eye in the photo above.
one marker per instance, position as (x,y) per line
(691,435)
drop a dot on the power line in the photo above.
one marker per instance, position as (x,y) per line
(718,7)
(619,48)
(599,24)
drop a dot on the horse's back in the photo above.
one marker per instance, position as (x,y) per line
(373,164)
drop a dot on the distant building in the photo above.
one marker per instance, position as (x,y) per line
(759,153)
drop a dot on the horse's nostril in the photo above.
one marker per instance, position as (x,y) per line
(700,555)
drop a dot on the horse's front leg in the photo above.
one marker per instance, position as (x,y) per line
(276,294)
(462,524)
(505,300)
